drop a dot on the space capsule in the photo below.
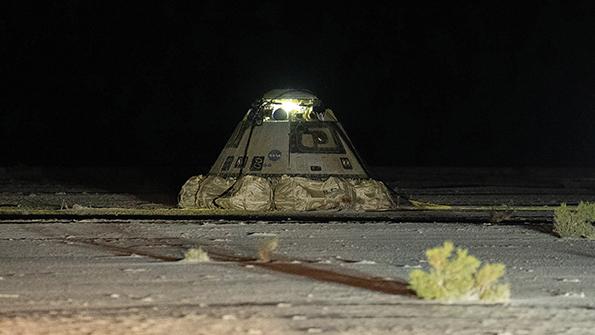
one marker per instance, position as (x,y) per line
(289,152)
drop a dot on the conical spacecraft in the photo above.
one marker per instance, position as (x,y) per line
(289,152)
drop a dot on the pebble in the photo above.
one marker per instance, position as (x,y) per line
(570,280)
(4,295)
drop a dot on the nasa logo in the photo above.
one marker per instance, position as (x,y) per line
(274,155)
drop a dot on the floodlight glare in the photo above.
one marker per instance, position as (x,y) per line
(291,106)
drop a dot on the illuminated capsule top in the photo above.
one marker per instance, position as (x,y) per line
(289,132)
(292,105)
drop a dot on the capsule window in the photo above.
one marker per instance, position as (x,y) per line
(315,137)
(279,114)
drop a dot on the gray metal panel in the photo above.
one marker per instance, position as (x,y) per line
(269,154)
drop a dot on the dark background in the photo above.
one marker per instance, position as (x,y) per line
(418,83)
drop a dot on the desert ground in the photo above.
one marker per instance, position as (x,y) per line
(331,274)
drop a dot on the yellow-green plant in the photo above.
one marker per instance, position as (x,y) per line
(195,255)
(458,277)
(266,249)
(575,222)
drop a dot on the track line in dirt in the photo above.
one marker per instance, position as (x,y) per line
(301,268)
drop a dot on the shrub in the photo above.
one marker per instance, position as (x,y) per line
(575,222)
(266,249)
(195,255)
(458,277)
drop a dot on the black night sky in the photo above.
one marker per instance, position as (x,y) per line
(418,83)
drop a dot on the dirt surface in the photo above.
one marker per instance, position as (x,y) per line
(123,278)
(98,273)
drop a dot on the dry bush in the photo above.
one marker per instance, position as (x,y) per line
(458,277)
(575,222)
(195,255)
(266,248)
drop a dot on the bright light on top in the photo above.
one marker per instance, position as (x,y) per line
(288,109)
(291,107)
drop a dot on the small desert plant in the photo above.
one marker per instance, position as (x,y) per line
(501,214)
(195,255)
(575,222)
(266,248)
(458,277)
